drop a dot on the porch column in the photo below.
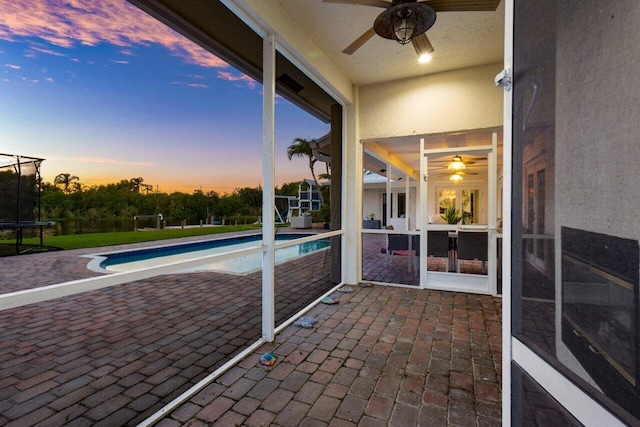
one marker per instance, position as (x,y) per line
(268,193)
(352,196)
(336,192)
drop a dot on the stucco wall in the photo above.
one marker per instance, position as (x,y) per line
(371,202)
(456,100)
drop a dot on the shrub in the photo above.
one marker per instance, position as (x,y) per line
(322,215)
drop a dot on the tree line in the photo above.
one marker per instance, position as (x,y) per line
(67,198)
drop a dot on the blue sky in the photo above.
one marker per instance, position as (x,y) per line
(104,92)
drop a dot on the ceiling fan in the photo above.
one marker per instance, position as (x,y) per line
(408,20)
(457,163)
(461,173)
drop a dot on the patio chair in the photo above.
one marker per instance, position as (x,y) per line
(437,246)
(396,242)
(472,245)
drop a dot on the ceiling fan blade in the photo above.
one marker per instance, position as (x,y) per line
(359,41)
(422,45)
(463,5)
(374,3)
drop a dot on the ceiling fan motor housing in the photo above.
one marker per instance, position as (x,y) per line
(389,22)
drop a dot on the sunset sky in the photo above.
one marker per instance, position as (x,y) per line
(105,92)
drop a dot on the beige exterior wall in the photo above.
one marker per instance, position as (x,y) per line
(456,100)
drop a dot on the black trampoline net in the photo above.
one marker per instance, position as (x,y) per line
(19,201)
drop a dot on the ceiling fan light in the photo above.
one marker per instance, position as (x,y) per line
(424,58)
(423,48)
(457,164)
(404,25)
(404,21)
(455,178)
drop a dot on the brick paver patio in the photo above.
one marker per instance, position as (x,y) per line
(382,356)
(117,355)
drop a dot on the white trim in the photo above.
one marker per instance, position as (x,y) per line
(59,290)
(507,141)
(407,206)
(492,236)
(395,285)
(458,282)
(422,207)
(386,232)
(585,409)
(344,259)
(453,150)
(168,408)
(388,201)
(352,196)
(307,239)
(268,193)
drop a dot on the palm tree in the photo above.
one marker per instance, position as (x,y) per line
(65,180)
(302,148)
(136,183)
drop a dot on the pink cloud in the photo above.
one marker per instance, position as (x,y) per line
(91,22)
(225,75)
(12,66)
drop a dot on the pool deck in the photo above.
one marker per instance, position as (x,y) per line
(382,356)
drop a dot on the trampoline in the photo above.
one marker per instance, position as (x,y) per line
(20,196)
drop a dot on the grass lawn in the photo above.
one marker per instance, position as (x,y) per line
(79,241)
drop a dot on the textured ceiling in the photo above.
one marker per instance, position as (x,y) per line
(460,40)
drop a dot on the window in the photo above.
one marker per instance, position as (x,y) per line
(466,201)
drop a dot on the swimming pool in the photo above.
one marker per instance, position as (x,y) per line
(153,256)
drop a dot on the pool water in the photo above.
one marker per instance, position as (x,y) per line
(151,257)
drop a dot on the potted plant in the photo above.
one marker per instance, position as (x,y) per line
(451,215)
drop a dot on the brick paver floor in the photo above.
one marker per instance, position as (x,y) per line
(382,356)
(117,355)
